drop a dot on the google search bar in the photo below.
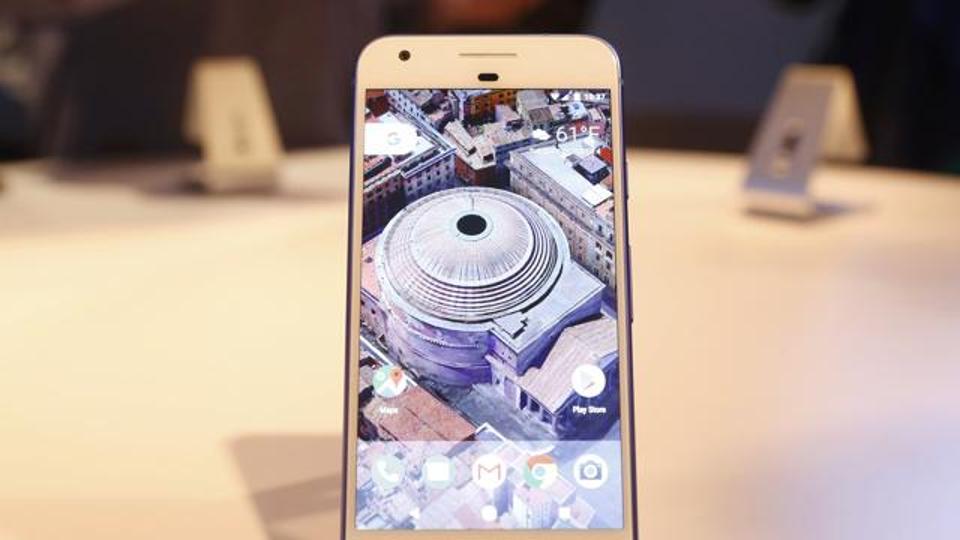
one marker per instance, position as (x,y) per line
(388,138)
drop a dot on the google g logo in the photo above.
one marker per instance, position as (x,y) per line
(540,471)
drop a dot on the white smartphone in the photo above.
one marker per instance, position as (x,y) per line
(488,377)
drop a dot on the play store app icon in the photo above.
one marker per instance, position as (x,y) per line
(588,380)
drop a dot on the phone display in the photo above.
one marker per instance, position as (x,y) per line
(489,356)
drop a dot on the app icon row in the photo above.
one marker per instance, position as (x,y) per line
(587,381)
(489,471)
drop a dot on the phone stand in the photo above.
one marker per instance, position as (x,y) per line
(814,113)
(228,115)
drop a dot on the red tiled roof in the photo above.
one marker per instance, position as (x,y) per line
(368,275)
(421,417)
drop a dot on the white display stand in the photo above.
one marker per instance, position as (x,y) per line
(814,114)
(229,116)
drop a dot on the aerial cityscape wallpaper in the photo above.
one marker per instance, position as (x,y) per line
(488,348)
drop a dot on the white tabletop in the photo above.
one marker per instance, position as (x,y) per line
(170,365)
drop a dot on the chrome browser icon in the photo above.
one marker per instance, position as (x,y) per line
(540,471)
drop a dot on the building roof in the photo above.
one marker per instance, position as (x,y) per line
(574,289)
(593,342)
(459,136)
(481,151)
(429,144)
(477,152)
(552,160)
(440,114)
(592,165)
(469,254)
(540,115)
(531,99)
(500,134)
(596,195)
(466,93)
(605,209)
(558,111)
(368,274)
(506,114)
(605,153)
(420,98)
(373,165)
(595,115)
(421,417)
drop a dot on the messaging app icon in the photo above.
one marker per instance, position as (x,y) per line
(387,471)
(438,472)
(389,381)
(489,471)
(540,471)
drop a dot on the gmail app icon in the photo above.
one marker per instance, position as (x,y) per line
(489,471)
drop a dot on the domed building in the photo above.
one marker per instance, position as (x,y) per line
(475,284)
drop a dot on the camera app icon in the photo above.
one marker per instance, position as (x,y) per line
(590,471)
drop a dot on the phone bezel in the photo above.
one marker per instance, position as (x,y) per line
(541,61)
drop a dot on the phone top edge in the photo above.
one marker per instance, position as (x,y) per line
(378,63)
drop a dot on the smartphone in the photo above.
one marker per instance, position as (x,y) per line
(488,386)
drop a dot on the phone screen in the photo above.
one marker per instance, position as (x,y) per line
(488,368)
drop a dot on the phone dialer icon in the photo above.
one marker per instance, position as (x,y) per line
(388,471)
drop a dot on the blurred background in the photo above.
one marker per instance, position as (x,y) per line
(171,362)
(94,78)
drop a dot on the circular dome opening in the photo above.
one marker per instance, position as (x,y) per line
(472,224)
(468,255)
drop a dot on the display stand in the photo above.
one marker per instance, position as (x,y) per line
(814,113)
(229,116)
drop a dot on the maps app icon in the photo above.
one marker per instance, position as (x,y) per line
(389,381)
